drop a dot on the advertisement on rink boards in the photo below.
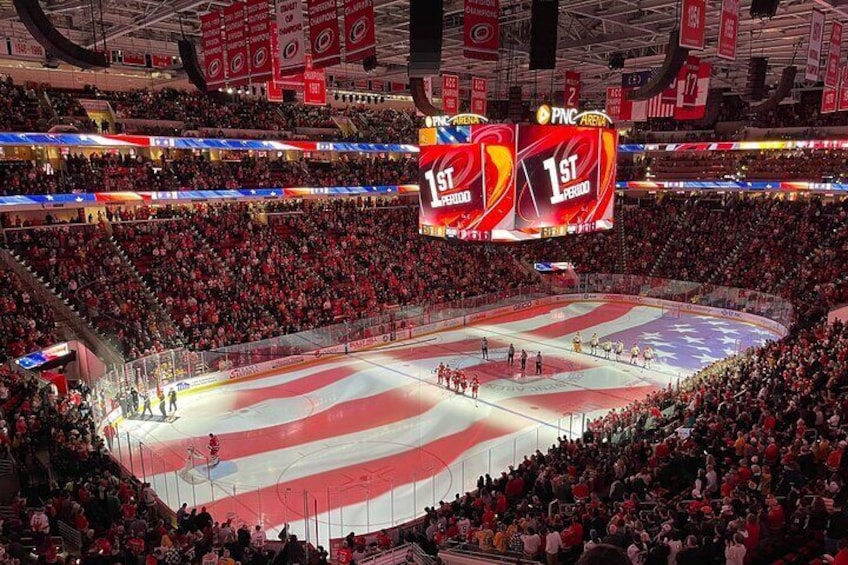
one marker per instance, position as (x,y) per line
(475,187)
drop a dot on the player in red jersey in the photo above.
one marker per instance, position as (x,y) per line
(440,373)
(463,381)
(214,447)
(475,386)
(456,378)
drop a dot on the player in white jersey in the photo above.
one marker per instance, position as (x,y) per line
(634,354)
(648,356)
(607,347)
(594,342)
(619,349)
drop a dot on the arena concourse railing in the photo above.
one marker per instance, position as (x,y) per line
(176,481)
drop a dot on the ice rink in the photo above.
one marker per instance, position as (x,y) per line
(367,440)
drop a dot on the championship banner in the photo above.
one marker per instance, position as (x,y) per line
(613,103)
(25,48)
(479,87)
(481,29)
(811,70)
(693,23)
(133,58)
(727,30)
(831,73)
(450,94)
(324,33)
(212,40)
(234,30)
(360,39)
(274,91)
(314,85)
(843,91)
(829,102)
(378,85)
(572,89)
(290,40)
(259,45)
(693,85)
(161,61)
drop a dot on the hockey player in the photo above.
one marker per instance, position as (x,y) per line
(510,355)
(485,348)
(456,378)
(523,360)
(538,362)
(594,342)
(463,382)
(634,354)
(214,448)
(607,347)
(648,356)
(440,373)
(577,342)
(475,386)
(619,350)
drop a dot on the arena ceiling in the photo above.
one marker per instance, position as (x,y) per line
(590,31)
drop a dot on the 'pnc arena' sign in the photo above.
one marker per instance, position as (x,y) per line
(458,120)
(555,116)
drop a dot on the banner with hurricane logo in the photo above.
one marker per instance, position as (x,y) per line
(213,50)
(360,41)
(482,29)
(259,37)
(238,68)
(324,33)
(290,37)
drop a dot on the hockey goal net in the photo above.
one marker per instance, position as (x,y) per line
(196,468)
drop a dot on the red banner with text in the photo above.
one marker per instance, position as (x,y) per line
(314,85)
(613,104)
(212,40)
(450,94)
(291,46)
(360,39)
(843,91)
(481,29)
(831,72)
(829,102)
(324,37)
(234,30)
(259,40)
(133,58)
(479,88)
(693,23)
(572,90)
(727,30)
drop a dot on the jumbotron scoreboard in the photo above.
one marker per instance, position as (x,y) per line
(507,182)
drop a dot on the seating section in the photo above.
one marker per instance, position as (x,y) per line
(110,172)
(25,324)
(84,268)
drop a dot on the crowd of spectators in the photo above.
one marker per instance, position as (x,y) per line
(25,323)
(107,172)
(798,164)
(745,463)
(294,267)
(85,268)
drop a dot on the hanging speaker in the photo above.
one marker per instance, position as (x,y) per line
(39,25)
(764,8)
(755,86)
(188,54)
(544,22)
(426,19)
(419,97)
(675,56)
(783,89)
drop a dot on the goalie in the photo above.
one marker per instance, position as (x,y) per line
(214,447)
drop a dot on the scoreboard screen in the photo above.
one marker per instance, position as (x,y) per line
(516,182)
